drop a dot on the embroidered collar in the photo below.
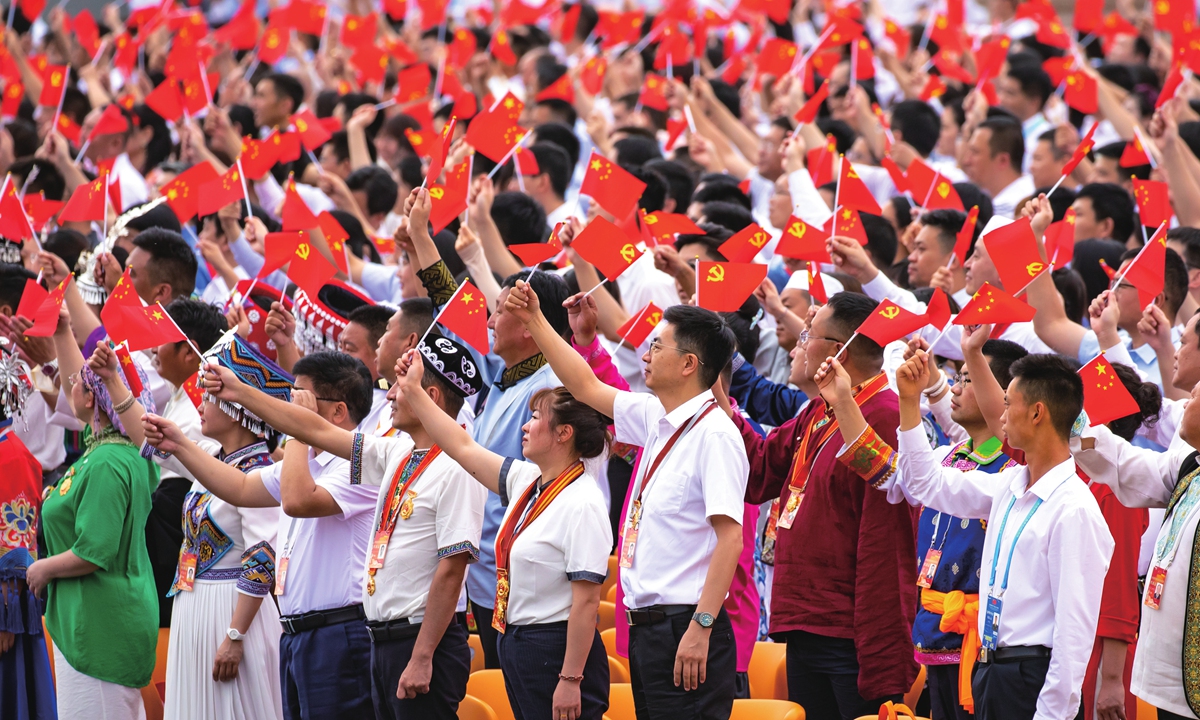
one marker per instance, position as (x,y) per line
(855,392)
(985,454)
(236,457)
(107,436)
(515,374)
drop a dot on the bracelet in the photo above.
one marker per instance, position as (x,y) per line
(125,404)
(570,678)
(939,388)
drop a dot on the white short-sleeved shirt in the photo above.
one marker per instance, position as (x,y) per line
(447,519)
(568,542)
(326,554)
(705,476)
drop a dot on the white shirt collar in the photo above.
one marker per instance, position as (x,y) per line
(1049,482)
(684,412)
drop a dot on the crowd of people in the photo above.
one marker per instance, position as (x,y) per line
(867,329)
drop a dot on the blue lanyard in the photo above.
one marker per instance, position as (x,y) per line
(1011,548)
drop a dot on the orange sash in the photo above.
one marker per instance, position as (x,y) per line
(960,615)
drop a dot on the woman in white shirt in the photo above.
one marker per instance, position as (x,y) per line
(551,551)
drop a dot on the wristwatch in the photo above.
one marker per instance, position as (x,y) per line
(704,620)
(235,634)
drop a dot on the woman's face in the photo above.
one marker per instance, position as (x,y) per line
(539,438)
(82,401)
(214,422)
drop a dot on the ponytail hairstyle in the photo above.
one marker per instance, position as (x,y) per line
(1148,397)
(591,436)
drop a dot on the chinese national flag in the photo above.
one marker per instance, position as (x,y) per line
(745,244)
(450,200)
(412,83)
(592,75)
(86,203)
(466,106)
(776,57)
(502,49)
(195,96)
(611,186)
(466,316)
(166,100)
(183,193)
(422,141)
(1105,397)
(461,49)
(848,224)
(13,93)
(278,250)
(295,214)
(934,87)
(664,226)
(723,287)
(560,89)
(821,161)
(638,327)
(962,241)
(937,312)
(1013,250)
(359,30)
(41,307)
(371,63)
(816,286)
(39,209)
(1060,240)
(654,93)
(1089,15)
(1146,270)
(533,254)
(216,194)
(312,133)
(336,237)
(853,193)
(86,31)
(992,306)
(808,112)
(1170,85)
(309,269)
(1084,147)
(258,157)
(13,223)
(287,146)
(140,327)
(192,388)
(1153,202)
(606,246)
(395,9)
(495,131)
(526,163)
(890,322)
(1082,93)
(801,241)
(53,84)
(438,153)
(129,370)
(111,121)
(1134,154)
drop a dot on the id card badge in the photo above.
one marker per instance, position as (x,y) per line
(629,536)
(378,550)
(929,568)
(787,515)
(281,570)
(1154,587)
(991,623)
(187,572)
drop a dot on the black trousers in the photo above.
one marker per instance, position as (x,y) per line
(822,677)
(488,636)
(1008,690)
(1168,715)
(942,681)
(324,672)
(447,686)
(531,657)
(652,651)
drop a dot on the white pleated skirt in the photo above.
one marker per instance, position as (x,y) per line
(199,621)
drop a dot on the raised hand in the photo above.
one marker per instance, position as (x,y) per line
(522,302)
(280,325)
(583,316)
(834,383)
(221,383)
(162,434)
(913,376)
(104,363)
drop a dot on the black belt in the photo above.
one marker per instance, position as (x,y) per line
(657,613)
(392,630)
(1015,653)
(293,624)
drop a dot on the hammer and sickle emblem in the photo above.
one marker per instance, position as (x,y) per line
(301,126)
(716,274)
(651,219)
(759,239)
(56,78)
(890,312)
(797,229)
(654,318)
(302,250)
(436,193)
(1033,268)
(944,190)
(628,252)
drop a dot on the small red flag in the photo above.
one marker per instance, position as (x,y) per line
(816,286)
(611,186)
(638,327)
(962,241)
(1145,272)
(216,194)
(141,327)
(1089,15)
(808,112)
(309,269)
(846,223)
(461,49)
(166,100)
(192,388)
(437,156)
(723,287)
(494,131)
(54,83)
(776,57)
(535,253)
(273,45)
(526,163)
(258,157)
(359,30)
(412,83)
(466,316)
(745,244)
(1085,146)
(183,193)
(665,226)
(560,89)
(40,209)
(1134,154)
(86,203)
(395,9)
(801,241)
(86,31)
(1082,93)
(1170,85)
(33,299)
(111,121)
(1013,250)
(592,75)
(654,92)
(992,306)
(1153,201)
(1060,240)
(606,246)
(336,237)
(295,213)
(312,133)
(1105,397)
(450,200)
(13,223)
(502,49)
(890,322)
(129,370)
(278,250)
(937,312)
(853,193)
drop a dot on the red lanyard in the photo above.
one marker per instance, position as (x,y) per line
(679,432)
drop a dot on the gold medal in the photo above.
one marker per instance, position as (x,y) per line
(371,584)
(65,485)
(406,507)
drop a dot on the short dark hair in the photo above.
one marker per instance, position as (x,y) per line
(374,318)
(379,185)
(12,284)
(561,408)
(1111,202)
(705,334)
(680,183)
(171,260)
(744,323)
(560,110)
(1050,380)
(1175,280)
(724,191)
(712,239)
(24,135)
(655,194)
(881,239)
(519,218)
(972,196)
(728,215)
(635,150)
(202,323)
(67,244)
(560,135)
(1057,152)
(340,142)
(948,222)
(1001,354)
(551,291)
(918,124)
(849,311)
(1190,238)
(1027,70)
(341,377)
(1073,289)
(553,161)
(48,181)
(288,87)
(159,216)
(417,314)
(1006,138)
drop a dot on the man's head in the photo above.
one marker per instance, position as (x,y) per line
(549,186)
(360,338)
(335,155)
(1023,91)
(964,408)
(980,269)
(1187,358)
(375,192)
(1128,297)
(916,123)
(770,149)
(994,154)
(1043,400)
(404,328)
(636,150)
(450,378)
(276,98)
(1047,163)
(203,324)
(680,183)
(341,384)
(161,266)
(1103,210)
(510,340)
(689,352)
(833,325)
(519,218)
(933,245)
(1185,241)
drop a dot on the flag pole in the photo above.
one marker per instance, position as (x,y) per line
(245,189)
(1061,178)
(1117,280)
(837,192)
(438,317)
(696,292)
(507,156)
(62,97)
(846,345)
(632,325)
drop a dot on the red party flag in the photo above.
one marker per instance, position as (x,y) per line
(312,133)
(1089,15)
(466,316)
(1134,154)
(934,87)
(532,254)
(359,30)
(309,269)
(295,213)
(86,31)
(560,89)
(615,189)
(216,194)
(86,203)
(1013,250)
(495,131)
(68,128)
(745,244)
(40,210)
(776,57)
(853,193)
(1153,201)
(889,322)
(664,225)
(808,112)
(129,370)
(278,250)
(111,121)
(638,327)
(13,223)
(53,85)
(450,199)
(166,100)
(336,237)
(992,306)
(801,241)
(723,287)
(941,194)
(13,93)
(654,93)
(606,246)
(461,49)
(422,141)
(962,241)
(1060,240)
(273,45)
(1105,397)
(1145,272)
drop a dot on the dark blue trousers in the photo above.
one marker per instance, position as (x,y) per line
(325,672)
(652,650)
(822,675)
(447,685)
(531,657)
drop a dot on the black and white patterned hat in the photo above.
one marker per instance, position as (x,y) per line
(453,362)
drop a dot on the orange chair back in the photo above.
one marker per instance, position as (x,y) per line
(764,671)
(476,644)
(606,616)
(488,686)
(472,708)
(620,702)
(766,710)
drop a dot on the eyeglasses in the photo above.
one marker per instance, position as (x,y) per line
(805,336)
(656,345)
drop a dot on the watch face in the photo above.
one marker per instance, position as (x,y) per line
(705,619)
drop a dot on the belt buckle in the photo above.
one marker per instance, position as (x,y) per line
(629,616)
(983,655)
(287,625)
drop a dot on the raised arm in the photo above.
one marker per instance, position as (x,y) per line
(988,393)
(1139,477)
(104,363)
(572,369)
(483,464)
(226,482)
(1050,322)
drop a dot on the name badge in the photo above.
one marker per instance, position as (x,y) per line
(378,550)
(787,515)
(991,623)
(1154,587)
(629,535)
(281,570)
(187,572)
(929,568)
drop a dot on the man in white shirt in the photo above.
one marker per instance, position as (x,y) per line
(1023,91)
(1039,606)
(682,537)
(992,160)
